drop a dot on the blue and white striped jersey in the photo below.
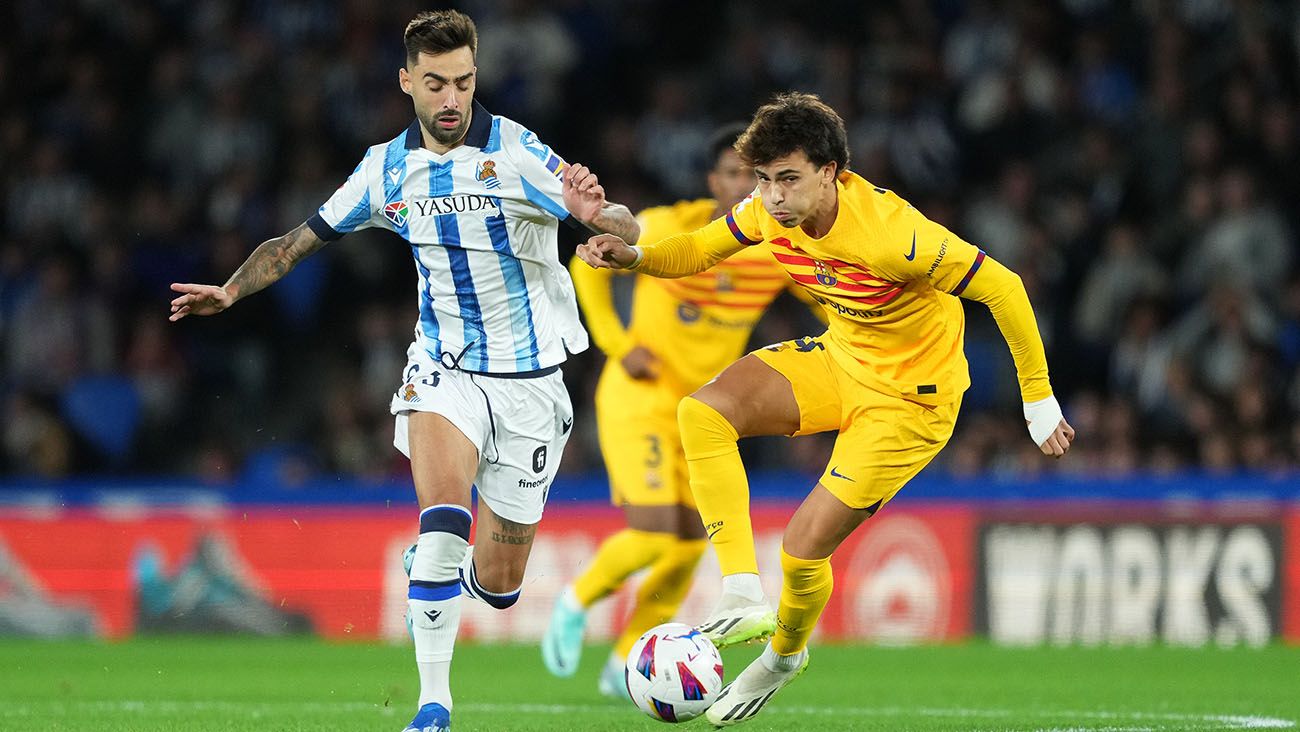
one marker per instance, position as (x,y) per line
(481,221)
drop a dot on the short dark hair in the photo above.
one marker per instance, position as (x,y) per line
(795,121)
(439,31)
(723,139)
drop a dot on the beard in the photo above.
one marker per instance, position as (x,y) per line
(442,135)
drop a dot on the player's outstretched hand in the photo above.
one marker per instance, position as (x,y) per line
(199,300)
(584,196)
(607,251)
(1058,443)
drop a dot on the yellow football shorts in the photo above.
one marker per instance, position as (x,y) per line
(884,440)
(639,440)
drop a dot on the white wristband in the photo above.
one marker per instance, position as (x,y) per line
(639,256)
(1044,416)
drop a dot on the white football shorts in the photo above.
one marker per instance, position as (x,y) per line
(519,425)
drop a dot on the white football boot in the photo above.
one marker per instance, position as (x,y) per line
(745,697)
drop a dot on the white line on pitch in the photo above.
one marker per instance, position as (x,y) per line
(1219,721)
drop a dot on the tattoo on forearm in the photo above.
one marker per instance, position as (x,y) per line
(273,259)
(618,220)
(513,533)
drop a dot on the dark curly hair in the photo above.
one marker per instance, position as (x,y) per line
(723,139)
(795,121)
(439,31)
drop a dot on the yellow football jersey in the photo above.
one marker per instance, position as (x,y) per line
(696,325)
(887,278)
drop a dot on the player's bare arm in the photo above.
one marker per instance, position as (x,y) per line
(584,197)
(273,259)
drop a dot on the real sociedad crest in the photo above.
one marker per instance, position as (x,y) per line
(486,173)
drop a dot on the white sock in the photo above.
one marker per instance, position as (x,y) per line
(744,585)
(775,662)
(435,642)
(435,595)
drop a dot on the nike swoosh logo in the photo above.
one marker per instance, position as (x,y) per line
(912,254)
(714,532)
(393,175)
(836,474)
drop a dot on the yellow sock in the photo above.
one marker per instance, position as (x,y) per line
(805,589)
(719,484)
(662,591)
(617,558)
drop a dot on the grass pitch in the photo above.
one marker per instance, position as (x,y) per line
(184,684)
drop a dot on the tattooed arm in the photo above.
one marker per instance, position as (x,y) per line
(268,263)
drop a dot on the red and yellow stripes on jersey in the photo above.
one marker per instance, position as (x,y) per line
(841,279)
(746,283)
(887,278)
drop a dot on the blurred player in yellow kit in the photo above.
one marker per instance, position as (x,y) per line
(888,374)
(682,333)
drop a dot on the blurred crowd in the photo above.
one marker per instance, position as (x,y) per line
(1137,163)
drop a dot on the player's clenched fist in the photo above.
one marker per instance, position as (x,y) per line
(583,194)
(607,251)
(1047,426)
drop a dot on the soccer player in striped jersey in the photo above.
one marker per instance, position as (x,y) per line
(479,199)
(888,374)
(681,334)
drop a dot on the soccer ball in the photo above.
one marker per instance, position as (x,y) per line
(673,672)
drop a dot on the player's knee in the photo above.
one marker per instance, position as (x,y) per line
(702,424)
(697,410)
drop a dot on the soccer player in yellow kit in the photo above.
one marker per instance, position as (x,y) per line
(888,374)
(682,333)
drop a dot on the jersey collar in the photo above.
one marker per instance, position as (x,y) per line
(480,129)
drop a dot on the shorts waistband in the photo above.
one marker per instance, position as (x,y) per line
(518,374)
(451,361)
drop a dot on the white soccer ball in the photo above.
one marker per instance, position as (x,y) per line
(673,672)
